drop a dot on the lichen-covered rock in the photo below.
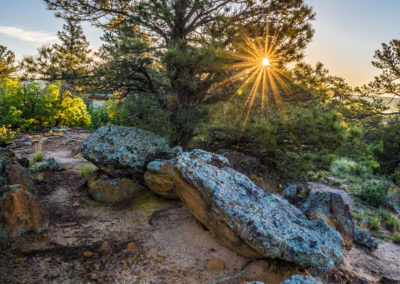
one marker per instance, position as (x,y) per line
(301,279)
(112,190)
(20,212)
(124,151)
(331,207)
(159,175)
(296,193)
(159,178)
(49,165)
(249,220)
(365,239)
(11,172)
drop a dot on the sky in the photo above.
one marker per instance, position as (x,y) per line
(347,32)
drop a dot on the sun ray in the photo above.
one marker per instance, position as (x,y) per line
(257,66)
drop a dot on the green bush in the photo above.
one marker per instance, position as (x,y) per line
(143,111)
(6,135)
(99,116)
(31,107)
(374,193)
(293,142)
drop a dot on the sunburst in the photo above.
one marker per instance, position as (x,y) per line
(257,66)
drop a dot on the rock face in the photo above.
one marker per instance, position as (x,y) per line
(365,239)
(11,172)
(124,151)
(20,212)
(301,279)
(331,208)
(112,190)
(247,219)
(159,178)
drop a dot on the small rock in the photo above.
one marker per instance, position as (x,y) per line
(159,259)
(215,265)
(301,279)
(50,165)
(76,204)
(125,265)
(389,280)
(131,246)
(77,195)
(105,246)
(20,260)
(365,239)
(88,254)
(112,190)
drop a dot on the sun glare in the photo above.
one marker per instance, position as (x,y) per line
(255,66)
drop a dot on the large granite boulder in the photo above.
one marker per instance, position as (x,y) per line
(20,212)
(124,151)
(249,220)
(331,208)
(105,189)
(301,279)
(11,172)
(159,176)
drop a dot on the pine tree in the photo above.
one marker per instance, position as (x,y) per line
(69,61)
(191,38)
(7,62)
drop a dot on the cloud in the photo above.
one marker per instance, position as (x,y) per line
(32,36)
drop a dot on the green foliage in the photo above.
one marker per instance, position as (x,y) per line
(86,169)
(374,193)
(38,157)
(99,116)
(292,143)
(178,51)
(68,60)
(143,111)
(7,62)
(31,107)
(396,238)
(374,223)
(6,135)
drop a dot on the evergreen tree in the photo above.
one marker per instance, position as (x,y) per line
(191,38)
(7,62)
(387,83)
(68,61)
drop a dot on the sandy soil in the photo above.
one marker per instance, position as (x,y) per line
(171,246)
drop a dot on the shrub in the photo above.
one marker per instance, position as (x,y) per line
(374,193)
(342,167)
(99,116)
(395,238)
(38,157)
(33,107)
(6,135)
(145,112)
(86,170)
(293,142)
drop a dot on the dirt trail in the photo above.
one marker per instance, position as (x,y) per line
(171,246)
